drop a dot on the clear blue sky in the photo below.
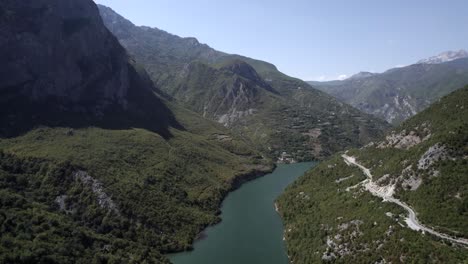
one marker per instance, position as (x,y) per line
(312,39)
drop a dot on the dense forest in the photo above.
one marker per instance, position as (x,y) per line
(48,215)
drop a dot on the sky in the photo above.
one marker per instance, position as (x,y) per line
(309,39)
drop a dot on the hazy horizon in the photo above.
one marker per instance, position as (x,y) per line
(308,39)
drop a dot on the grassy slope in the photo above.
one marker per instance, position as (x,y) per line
(172,187)
(330,205)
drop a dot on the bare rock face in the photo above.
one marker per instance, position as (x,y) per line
(60,48)
(104,200)
(246,71)
(405,139)
(432,155)
(227,95)
(62,67)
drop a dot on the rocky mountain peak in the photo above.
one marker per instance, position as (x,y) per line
(155,40)
(445,57)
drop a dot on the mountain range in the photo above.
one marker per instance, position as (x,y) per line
(251,97)
(118,144)
(96,163)
(445,57)
(102,161)
(399,93)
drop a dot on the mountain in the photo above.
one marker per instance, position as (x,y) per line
(399,93)
(354,206)
(445,57)
(83,73)
(361,75)
(251,97)
(96,163)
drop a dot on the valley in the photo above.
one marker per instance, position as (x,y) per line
(123,143)
(250,97)
(251,230)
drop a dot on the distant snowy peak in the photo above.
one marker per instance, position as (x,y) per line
(445,57)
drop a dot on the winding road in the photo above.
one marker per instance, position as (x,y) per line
(386,193)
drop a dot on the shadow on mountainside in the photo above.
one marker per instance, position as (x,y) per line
(144,109)
(62,67)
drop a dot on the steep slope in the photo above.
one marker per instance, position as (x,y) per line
(163,54)
(400,93)
(336,209)
(225,94)
(82,75)
(96,165)
(281,114)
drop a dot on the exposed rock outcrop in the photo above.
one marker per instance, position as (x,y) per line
(432,155)
(61,49)
(404,139)
(104,200)
(62,67)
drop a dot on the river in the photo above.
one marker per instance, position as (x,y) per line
(251,232)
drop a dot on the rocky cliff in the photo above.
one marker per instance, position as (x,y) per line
(58,58)
(61,49)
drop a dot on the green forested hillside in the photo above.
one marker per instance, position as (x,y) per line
(165,190)
(97,165)
(331,217)
(36,228)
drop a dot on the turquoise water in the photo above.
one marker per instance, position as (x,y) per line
(251,231)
